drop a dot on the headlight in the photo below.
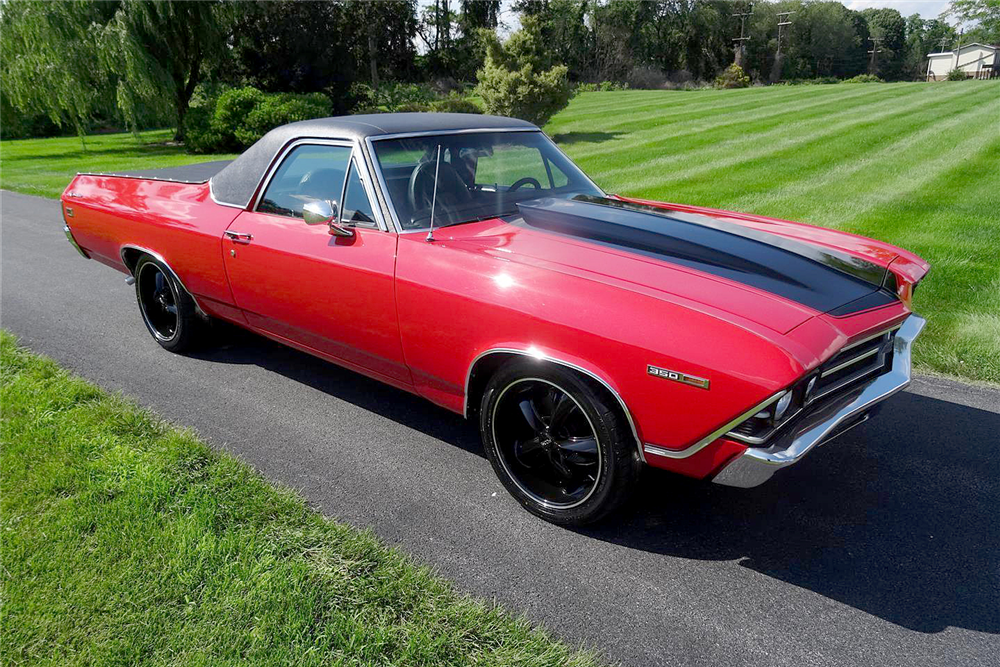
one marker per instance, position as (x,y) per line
(782,407)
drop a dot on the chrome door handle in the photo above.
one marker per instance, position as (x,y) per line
(238,237)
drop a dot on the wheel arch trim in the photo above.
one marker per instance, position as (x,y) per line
(538,355)
(158,257)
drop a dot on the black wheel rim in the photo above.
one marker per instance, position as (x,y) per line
(157,301)
(546,443)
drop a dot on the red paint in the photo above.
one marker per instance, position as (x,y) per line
(417,314)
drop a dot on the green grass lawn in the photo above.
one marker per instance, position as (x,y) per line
(913,164)
(127,541)
(46,166)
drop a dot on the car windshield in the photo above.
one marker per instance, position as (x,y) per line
(480,175)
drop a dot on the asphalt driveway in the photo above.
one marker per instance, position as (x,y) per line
(880,549)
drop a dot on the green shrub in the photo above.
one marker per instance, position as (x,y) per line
(732,77)
(864,78)
(817,81)
(199,134)
(241,116)
(957,75)
(514,80)
(455,104)
(392,96)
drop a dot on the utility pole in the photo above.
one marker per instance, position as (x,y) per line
(958,51)
(874,53)
(783,20)
(742,39)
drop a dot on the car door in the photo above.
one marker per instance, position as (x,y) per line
(297,282)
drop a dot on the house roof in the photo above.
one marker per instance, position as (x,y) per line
(964,47)
(235,184)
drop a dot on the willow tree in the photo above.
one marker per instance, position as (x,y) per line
(159,49)
(72,60)
(48,61)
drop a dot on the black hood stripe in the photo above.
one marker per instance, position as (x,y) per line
(823,280)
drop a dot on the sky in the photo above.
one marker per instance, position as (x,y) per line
(928,9)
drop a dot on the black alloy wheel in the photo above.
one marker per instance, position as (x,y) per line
(168,311)
(557,443)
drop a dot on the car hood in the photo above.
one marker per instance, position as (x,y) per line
(769,279)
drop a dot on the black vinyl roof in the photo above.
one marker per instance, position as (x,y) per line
(235,184)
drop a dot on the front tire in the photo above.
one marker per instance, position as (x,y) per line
(167,310)
(557,443)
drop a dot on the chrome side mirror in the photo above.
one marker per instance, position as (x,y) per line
(322,211)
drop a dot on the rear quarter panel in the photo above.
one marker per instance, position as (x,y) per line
(178,221)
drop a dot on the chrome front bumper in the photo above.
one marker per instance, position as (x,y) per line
(756,465)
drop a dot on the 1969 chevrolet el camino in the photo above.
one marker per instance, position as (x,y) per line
(464,258)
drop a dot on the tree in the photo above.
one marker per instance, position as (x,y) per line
(47,61)
(889,28)
(517,79)
(983,15)
(128,59)
(923,37)
(163,46)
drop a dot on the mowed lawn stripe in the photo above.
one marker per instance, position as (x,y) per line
(635,105)
(913,164)
(775,136)
(952,217)
(864,163)
(675,142)
(657,128)
(810,150)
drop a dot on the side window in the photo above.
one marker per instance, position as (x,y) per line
(357,207)
(308,173)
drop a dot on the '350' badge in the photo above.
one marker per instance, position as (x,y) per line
(683,378)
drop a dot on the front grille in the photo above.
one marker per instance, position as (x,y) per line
(852,367)
(856,363)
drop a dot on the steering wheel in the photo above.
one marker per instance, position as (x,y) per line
(451,189)
(527,180)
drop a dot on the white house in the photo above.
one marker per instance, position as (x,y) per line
(976,60)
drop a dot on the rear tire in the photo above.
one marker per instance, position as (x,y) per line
(167,310)
(558,444)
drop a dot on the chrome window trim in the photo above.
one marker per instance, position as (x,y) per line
(377,167)
(353,165)
(541,356)
(292,145)
(211,193)
(158,257)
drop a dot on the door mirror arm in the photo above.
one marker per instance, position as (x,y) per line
(325,211)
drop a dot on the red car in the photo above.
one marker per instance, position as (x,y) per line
(466,259)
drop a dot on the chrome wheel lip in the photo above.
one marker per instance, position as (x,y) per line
(142,305)
(548,504)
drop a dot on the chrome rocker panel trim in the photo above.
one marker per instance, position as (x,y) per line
(756,465)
